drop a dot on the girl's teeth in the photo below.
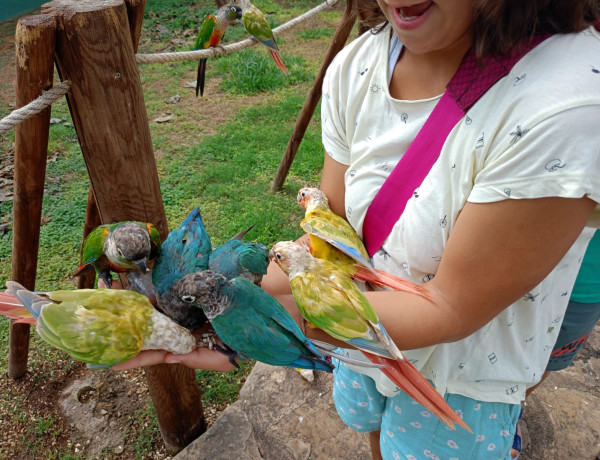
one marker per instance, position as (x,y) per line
(406,18)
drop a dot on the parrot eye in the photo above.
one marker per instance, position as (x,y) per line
(188,298)
(279,256)
(120,252)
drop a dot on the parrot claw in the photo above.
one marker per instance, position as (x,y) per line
(231,354)
(107,278)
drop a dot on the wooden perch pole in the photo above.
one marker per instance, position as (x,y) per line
(339,40)
(95,52)
(34,47)
(135,15)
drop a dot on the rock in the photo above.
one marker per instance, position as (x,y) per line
(280,415)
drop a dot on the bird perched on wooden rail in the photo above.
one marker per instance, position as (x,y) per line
(256,25)
(211,33)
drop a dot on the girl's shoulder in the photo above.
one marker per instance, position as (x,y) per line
(367,48)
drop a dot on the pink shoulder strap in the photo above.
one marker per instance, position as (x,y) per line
(468,84)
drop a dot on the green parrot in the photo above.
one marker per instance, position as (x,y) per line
(256,25)
(211,33)
(101,327)
(332,238)
(122,247)
(328,299)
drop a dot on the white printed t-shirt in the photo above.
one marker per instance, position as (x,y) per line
(534,134)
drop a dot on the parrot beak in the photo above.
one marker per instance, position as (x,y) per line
(142,264)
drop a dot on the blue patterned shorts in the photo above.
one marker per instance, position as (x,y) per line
(409,431)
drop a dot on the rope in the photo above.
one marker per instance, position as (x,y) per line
(34,107)
(218,51)
(56,92)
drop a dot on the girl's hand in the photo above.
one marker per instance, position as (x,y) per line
(200,358)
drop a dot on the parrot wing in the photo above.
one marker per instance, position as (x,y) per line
(259,327)
(93,248)
(205,33)
(335,230)
(99,327)
(256,25)
(186,250)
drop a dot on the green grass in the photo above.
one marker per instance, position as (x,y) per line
(228,173)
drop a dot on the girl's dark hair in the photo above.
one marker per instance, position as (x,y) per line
(500,25)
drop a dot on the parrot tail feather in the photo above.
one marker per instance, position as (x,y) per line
(327,349)
(13,309)
(406,376)
(240,236)
(278,62)
(200,76)
(84,268)
(384,279)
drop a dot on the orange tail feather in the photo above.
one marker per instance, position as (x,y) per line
(406,376)
(278,62)
(384,279)
(13,309)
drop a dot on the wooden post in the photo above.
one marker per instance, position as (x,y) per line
(95,52)
(339,40)
(34,46)
(135,15)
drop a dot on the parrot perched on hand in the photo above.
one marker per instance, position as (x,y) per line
(256,25)
(101,327)
(186,250)
(122,247)
(250,322)
(211,33)
(332,238)
(329,300)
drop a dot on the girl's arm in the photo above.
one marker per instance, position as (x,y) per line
(496,253)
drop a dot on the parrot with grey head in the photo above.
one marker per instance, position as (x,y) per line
(122,247)
(211,33)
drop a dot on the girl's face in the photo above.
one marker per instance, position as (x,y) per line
(429,26)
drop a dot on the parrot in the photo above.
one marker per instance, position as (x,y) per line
(249,321)
(101,327)
(329,300)
(211,33)
(332,238)
(256,25)
(123,247)
(236,258)
(186,250)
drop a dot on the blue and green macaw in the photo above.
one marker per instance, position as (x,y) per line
(256,25)
(332,238)
(250,322)
(185,250)
(122,247)
(328,299)
(101,327)
(211,33)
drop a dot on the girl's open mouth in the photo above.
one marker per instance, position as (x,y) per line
(410,13)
